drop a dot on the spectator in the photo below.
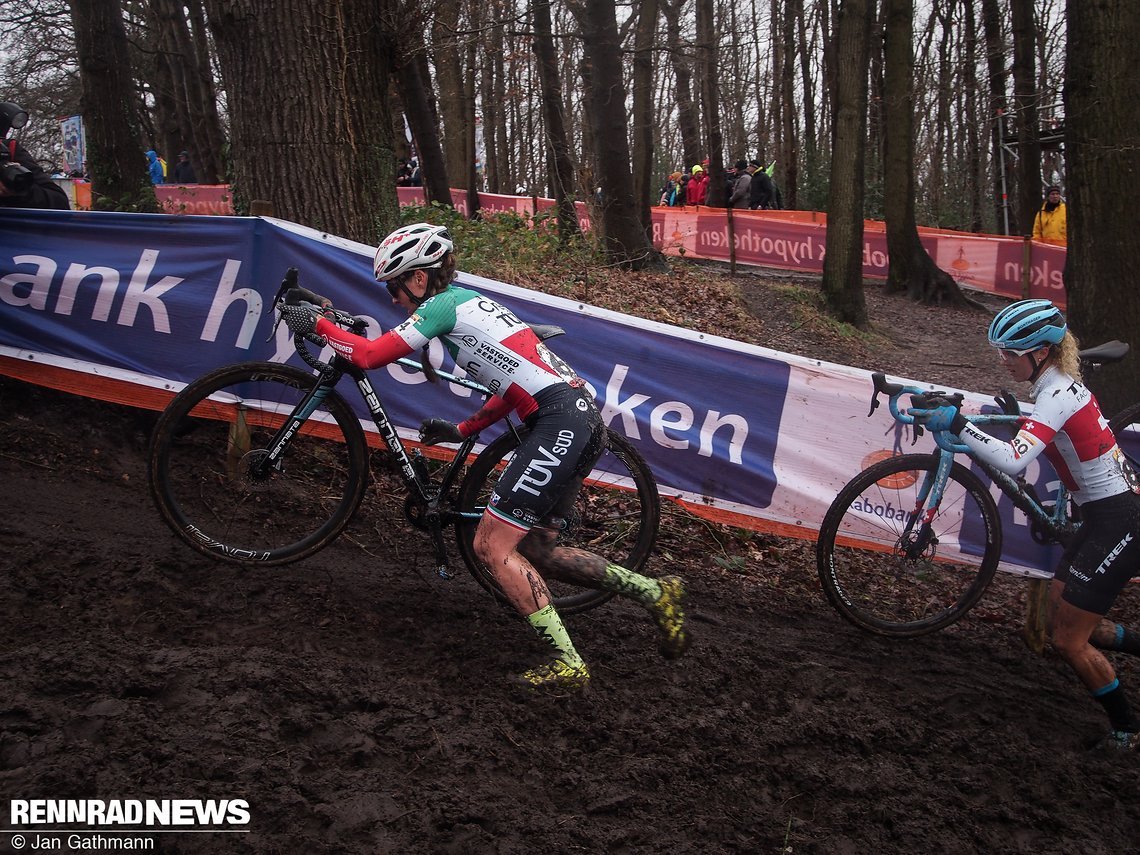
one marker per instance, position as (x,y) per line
(403,174)
(741,186)
(761,192)
(154,167)
(697,188)
(183,170)
(1051,221)
(671,192)
(415,177)
(23,182)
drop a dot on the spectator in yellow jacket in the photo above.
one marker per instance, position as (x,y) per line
(1051,221)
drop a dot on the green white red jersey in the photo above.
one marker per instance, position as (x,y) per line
(486,340)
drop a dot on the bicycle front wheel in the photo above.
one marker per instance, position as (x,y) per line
(886,572)
(618,513)
(207,474)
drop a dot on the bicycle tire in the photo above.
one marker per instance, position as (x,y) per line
(861,567)
(1125,426)
(619,513)
(201,476)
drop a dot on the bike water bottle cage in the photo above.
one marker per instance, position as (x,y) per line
(1026,326)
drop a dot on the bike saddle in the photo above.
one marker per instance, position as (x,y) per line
(545,331)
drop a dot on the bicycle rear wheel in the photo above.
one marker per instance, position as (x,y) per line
(869,567)
(204,473)
(1125,426)
(618,514)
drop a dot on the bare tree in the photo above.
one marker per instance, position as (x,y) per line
(681,60)
(115,157)
(708,73)
(1102,127)
(558,146)
(624,235)
(843,263)
(644,122)
(413,81)
(1025,111)
(911,267)
(312,135)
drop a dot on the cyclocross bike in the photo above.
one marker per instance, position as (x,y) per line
(910,543)
(262,463)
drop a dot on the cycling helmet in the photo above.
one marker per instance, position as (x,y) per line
(411,248)
(1027,325)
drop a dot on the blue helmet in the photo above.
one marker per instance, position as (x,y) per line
(1027,325)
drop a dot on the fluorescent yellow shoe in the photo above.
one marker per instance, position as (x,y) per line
(556,677)
(673,639)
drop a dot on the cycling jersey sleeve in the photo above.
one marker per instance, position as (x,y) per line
(1010,457)
(491,412)
(362,352)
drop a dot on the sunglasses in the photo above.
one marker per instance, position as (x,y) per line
(394,287)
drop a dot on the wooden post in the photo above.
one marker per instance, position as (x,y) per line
(1037,599)
(261,208)
(1026,273)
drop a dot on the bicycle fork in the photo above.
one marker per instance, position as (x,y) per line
(915,541)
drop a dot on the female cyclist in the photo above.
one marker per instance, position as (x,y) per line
(519,529)
(1035,345)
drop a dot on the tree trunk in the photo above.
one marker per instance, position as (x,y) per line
(688,116)
(626,242)
(449,79)
(1025,106)
(843,263)
(311,134)
(195,104)
(115,160)
(558,146)
(995,64)
(423,122)
(1102,128)
(911,267)
(644,121)
(968,124)
(708,73)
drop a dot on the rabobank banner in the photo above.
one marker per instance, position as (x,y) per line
(757,437)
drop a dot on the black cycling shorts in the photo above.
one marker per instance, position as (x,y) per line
(565,438)
(1104,555)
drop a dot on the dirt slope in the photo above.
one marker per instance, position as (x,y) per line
(360,705)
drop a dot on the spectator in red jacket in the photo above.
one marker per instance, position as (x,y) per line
(697,188)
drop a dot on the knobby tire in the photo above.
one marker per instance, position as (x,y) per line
(205,482)
(863,570)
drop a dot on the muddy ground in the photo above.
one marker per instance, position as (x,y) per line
(359,704)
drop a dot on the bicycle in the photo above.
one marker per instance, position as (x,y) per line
(910,544)
(260,463)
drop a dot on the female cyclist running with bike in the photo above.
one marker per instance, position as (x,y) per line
(1035,346)
(519,530)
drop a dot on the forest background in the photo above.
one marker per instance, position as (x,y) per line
(949,113)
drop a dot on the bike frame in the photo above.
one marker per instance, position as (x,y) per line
(412,470)
(1057,523)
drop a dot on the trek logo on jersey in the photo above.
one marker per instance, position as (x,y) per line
(540,470)
(1116,550)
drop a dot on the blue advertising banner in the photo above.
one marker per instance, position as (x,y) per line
(155,301)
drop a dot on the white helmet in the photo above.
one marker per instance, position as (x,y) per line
(410,248)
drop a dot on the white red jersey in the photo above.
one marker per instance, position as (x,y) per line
(1067,425)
